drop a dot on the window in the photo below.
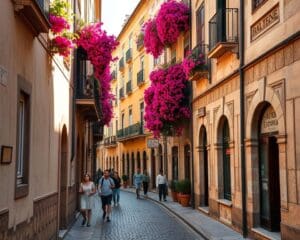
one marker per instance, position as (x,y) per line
(129,74)
(116,96)
(130,117)
(130,41)
(23,138)
(200,25)
(226,161)
(122,121)
(257,3)
(142,63)
(175,163)
(186,44)
(142,114)
(173,56)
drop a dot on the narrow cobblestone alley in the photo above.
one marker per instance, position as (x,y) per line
(132,219)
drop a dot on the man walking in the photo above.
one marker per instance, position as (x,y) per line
(146,180)
(137,180)
(161,184)
(106,184)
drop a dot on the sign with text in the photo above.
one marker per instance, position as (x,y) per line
(265,22)
(152,143)
(269,123)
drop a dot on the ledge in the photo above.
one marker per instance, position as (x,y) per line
(225,202)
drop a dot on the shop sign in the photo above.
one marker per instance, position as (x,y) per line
(265,22)
(269,123)
(152,143)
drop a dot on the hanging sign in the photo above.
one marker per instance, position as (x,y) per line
(152,143)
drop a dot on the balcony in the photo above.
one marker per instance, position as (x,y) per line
(35,14)
(129,55)
(223,32)
(140,77)
(128,88)
(110,142)
(121,64)
(113,75)
(121,93)
(86,90)
(140,42)
(199,55)
(133,131)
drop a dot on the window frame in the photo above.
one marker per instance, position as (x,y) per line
(24,90)
(255,8)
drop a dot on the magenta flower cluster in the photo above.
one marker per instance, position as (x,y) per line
(62,45)
(172,18)
(166,100)
(58,24)
(99,47)
(164,30)
(152,43)
(191,62)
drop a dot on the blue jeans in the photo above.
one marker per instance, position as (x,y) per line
(116,195)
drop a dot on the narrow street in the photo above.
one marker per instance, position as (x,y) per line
(132,219)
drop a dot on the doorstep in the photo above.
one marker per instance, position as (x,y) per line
(204,209)
(266,234)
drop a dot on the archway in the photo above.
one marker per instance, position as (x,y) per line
(63,179)
(187,166)
(224,159)
(132,167)
(160,157)
(144,160)
(203,164)
(138,158)
(153,168)
(127,165)
(175,163)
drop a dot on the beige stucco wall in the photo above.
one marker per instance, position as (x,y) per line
(23,54)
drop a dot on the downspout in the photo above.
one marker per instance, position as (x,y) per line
(192,123)
(242,117)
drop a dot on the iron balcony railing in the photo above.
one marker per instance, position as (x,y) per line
(140,77)
(109,141)
(223,27)
(128,87)
(199,55)
(132,130)
(121,64)
(98,129)
(121,93)
(44,6)
(128,55)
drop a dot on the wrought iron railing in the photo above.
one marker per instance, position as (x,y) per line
(223,27)
(112,140)
(132,130)
(140,77)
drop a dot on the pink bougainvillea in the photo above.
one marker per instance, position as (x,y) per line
(152,42)
(172,18)
(193,62)
(62,45)
(166,100)
(99,46)
(58,24)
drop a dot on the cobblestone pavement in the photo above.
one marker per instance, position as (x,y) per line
(138,219)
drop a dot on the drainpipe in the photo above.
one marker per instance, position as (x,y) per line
(191,123)
(242,117)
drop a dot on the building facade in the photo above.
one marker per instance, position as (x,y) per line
(246,105)
(127,143)
(39,121)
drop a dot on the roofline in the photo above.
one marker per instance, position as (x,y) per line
(137,8)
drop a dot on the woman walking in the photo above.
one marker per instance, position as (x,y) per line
(87,190)
(146,180)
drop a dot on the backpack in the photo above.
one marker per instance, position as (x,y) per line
(110,181)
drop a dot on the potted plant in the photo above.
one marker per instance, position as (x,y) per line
(184,188)
(177,190)
(125,180)
(173,190)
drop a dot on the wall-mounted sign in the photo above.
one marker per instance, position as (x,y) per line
(265,22)
(3,76)
(201,112)
(152,143)
(269,123)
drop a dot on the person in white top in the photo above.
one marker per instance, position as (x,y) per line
(87,190)
(161,184)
